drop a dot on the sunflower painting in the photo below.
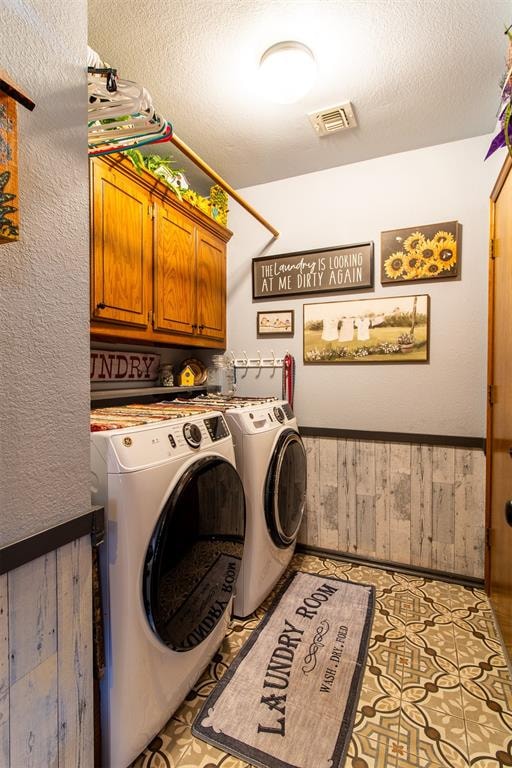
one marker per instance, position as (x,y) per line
(420,253)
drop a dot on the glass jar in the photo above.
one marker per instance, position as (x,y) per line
(221,380)
(166,375)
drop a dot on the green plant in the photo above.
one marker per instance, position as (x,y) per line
(162,167)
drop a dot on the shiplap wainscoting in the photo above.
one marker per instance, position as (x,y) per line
(46,696)
(419,505)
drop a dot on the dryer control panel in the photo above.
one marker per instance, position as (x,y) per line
(265,417)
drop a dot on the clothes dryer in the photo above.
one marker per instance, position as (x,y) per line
(175,515)
(271,461)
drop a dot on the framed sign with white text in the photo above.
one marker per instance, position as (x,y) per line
(342,268)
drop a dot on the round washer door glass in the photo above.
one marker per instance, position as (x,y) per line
(285,491)
(194,555)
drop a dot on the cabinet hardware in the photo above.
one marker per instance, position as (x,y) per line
(193,326)
(491,394)
(488,537)
(101,305)
(201,328)
(492,250)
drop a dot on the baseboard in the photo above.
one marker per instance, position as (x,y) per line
(387,565)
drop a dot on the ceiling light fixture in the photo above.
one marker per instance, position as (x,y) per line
(287,71)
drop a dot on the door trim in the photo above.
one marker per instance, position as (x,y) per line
(500,181)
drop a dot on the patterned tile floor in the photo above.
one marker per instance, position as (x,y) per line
(437,692)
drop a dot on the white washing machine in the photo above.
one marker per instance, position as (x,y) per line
(175,514)
(271,461)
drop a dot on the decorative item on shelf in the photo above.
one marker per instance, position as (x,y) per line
(504,136)
(186,377)
(426,252)
(221,379)
(9,213)
(375,330)
(175,179)
(108,366)
(219,204)
(166,375)
(162,168)
(198,369)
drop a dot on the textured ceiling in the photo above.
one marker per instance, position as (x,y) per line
(418,74)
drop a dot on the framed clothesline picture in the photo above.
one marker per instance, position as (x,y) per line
(377,330)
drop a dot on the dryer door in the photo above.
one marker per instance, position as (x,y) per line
(285,488)
(193,558)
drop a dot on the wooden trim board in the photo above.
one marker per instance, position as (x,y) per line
(395,437)
(24,551)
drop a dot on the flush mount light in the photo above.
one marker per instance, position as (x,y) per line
(287,71)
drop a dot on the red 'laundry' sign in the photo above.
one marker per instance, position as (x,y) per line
(123,366)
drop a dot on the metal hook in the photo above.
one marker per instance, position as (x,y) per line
(274,361)
(245,360)
(259,360)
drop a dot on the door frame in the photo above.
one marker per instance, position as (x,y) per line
(500,181)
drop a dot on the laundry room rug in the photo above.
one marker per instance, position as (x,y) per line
(289,698)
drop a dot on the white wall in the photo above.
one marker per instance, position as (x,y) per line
(352,204)
(44,319)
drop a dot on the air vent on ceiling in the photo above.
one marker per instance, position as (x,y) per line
(333,119)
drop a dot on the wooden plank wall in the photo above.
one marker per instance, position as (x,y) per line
(418,505)
(46,718)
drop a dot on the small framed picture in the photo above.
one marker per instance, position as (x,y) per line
(280,323)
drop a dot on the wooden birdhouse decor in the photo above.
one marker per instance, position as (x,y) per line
(186,377)
(9,206)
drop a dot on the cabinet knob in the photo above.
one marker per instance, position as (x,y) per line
(101,305)
(201,327)
(194,326)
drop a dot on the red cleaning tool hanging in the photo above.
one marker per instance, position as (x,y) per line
(288,378)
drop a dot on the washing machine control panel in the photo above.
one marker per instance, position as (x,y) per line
(192,434)
(217,428)
(152,444)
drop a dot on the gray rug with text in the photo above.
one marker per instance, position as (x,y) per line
(289,698)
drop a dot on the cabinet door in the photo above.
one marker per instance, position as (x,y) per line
(174,272)
(121,248)
(211,286)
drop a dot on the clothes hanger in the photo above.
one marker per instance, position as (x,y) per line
(109,147)
(130,100)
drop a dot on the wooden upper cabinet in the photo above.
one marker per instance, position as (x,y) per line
(174,272)
(122,243)
(211,285)
(158,265)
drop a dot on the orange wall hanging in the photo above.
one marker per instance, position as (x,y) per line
(9,206)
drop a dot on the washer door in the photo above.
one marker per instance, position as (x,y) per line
(193,558)
(285,488)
